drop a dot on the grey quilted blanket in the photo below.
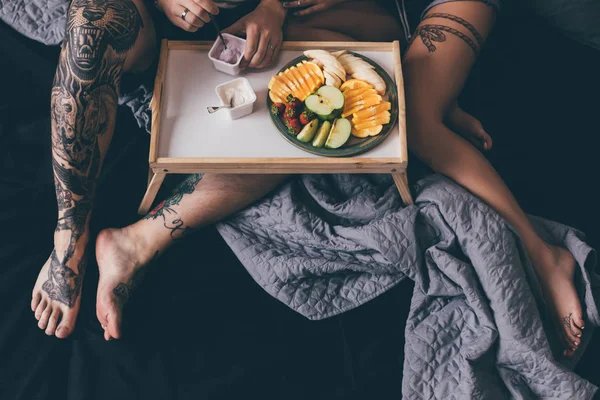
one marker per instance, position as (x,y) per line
(41,20)
(478,327)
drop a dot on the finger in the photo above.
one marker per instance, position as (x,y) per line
(186,26)
(252,37)
(209,6)
(298,3)
(272,52)
(197,15)
(261,52)
(310,10)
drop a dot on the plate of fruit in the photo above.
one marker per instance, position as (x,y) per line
(334,104)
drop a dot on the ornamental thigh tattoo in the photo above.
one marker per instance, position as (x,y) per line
(83,108)
(165,209)
(430,33)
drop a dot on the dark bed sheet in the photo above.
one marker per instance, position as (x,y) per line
(193,330)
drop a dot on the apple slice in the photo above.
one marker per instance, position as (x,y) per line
(327,103)
(322,134)
(340,133)
(308,132)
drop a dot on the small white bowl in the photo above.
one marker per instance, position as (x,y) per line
(243,109)
(231,69)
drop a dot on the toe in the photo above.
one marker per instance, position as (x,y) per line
(40,309)
(106,336)
(578,323)
(114,324)
(67,324)
(45,316)
(53,321)
(35,300)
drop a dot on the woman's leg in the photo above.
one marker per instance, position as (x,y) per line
(103,39)
(361,20)
(435,69)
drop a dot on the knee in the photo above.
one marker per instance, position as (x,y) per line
(100,35)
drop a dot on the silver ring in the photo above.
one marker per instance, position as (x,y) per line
(185,12)
(271,47)
(298,3)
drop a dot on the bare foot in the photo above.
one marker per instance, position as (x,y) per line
(56,294)
(556,269)
(121,257)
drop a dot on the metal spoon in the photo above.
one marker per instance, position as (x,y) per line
(218,31)
(215,109)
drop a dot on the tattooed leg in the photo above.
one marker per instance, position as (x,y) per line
(436,66)
(197,201)
(101,36)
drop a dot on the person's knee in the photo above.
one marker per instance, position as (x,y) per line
(101,35)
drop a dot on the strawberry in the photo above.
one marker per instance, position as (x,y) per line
(294,126)
(307,116)
(277,108)
(293,102)
(290,112)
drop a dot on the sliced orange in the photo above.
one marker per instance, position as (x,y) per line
(363,133)
(361,105)
(355,84)
(381,115)
(351,108)
(295,90)
(362,96)
(305,72)
(350,93)
(372,123)
(275,97)
(315,71)
(374,110)
(297,77)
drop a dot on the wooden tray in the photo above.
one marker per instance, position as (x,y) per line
(186,139)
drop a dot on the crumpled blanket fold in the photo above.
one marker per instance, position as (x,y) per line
(478,325)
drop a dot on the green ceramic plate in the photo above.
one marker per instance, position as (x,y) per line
(354,145)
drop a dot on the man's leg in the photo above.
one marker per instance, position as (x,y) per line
(103,39)
(122,253)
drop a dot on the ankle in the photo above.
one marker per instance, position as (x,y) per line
(144,244)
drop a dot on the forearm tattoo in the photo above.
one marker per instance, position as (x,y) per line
(461,21)
(83,108)
(171,218)
(435,33)
(124,290)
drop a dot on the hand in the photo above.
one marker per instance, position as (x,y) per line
(313,6)
(198,14)
(264,36)
(469,127)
